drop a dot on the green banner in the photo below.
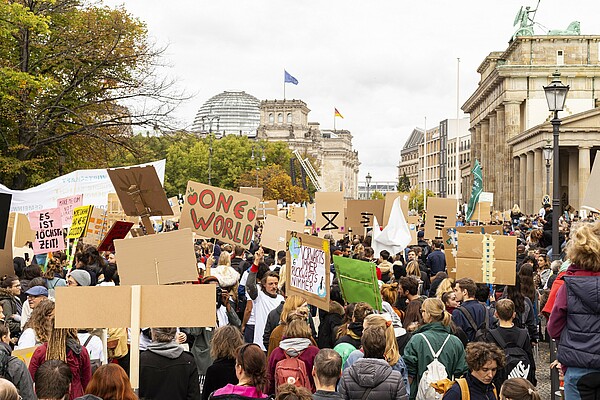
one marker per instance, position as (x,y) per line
(358,281)
(476,191)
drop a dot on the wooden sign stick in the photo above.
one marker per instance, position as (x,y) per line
(134,351)
(136,197)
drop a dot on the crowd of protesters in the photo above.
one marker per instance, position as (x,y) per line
(434,336)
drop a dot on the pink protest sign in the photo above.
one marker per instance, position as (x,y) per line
(49,235)
(66,206)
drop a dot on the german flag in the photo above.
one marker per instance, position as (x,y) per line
(338,114)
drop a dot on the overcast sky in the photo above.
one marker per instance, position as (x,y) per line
(386,65)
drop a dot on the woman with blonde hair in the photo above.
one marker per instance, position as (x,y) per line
(64,346)
(447,285)
(274,333)
(575,317)
(39,327)
(223,349)
(518,389)
(412,269)
(434,336)
(297,342)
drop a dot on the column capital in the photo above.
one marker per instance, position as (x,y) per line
(517,102)
(584,147)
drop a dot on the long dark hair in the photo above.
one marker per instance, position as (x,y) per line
(525,279)
(254,363)
(515,294)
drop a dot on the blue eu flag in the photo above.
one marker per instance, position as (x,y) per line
(288,78)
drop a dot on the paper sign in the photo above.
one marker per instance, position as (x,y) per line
(214,212)
(307,268)
(119,230)
(174,203)
(5,199)
(81,219)
(97,227)
(358,281)
(157,259)
(253,191)
(274,232)
(330,212)
(389,202)
(67,205)
(487,258)
(440,213)
(486,197)
(360,214)
(25,354)
(187,305)
(49,234)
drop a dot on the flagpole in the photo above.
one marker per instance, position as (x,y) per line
(425,170)
(333,120)
(283,84)
(457,178)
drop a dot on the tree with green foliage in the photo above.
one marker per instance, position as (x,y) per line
(70,71)
(416,200)
(377,195)
(404,183)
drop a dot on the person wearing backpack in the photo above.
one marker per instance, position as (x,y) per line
(432,345)
(13,369)
(371,377)
(292,362)
(471,314)
(484,360)
(515,343)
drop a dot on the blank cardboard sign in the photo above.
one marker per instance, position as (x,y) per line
(157,259)
(21,228)
(389,202)
(274,231)
(591,200)
(472,254)
(187,305)
(252,191)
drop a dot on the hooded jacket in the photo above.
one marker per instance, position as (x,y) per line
(168,372)
(353,336)
(78,360)
(374,374)
(11,305)
(294,347)
(329,323)
(17,373)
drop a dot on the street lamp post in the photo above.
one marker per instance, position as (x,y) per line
(262,158)
(210,142)
(548,157)
(556,94)
(368,179)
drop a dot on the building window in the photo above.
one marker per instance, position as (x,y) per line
(560,57)
(280,118)
(289,118)
(271,119)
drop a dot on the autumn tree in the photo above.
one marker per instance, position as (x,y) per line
(276,184)
(74,79)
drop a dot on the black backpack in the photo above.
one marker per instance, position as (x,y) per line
(517,361)
(480,331)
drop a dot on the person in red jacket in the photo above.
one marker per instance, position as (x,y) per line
(64,346)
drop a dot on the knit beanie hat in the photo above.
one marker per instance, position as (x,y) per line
(81,276)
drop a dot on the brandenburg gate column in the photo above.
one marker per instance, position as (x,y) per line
(485,153)
(529,184)
(502,156)
(522,182)
(538,179)
(574,199)
(493,166)
(584,171)
(512,127)
(516,186)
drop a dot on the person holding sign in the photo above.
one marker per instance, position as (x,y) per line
(264,300)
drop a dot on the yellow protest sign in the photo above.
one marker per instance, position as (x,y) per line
(81,220)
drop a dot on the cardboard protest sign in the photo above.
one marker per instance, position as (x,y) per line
(49,234)
(296,214)
(21,229)
(450,263)
(97,227)
(6,254)
(268,207)
(487,258)
(330,213)
(307,268)
(441,212)
(358,281)
(360,214)
(413,225)
(252,191)
(5,199)
(591,199)
(24,354)
(274,232)
(157,259)
(451,232)
(174,203)
(119,230)
(66,206)
(214,212)
(389,201)
(140,191)
(79,224)
(482,212)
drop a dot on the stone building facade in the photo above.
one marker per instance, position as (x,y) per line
(430,156)
(509,118)
(287,120)
(409,157)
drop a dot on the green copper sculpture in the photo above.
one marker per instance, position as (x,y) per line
(574,28)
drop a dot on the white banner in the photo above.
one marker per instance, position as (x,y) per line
(94,184)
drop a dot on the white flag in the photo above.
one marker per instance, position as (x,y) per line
(395,236)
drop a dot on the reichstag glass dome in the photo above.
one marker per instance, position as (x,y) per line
(229,113)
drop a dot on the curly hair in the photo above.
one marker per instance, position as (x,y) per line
(225,342)
(288,391)
(583,248)
(42,320)
(480,353)
(361,310)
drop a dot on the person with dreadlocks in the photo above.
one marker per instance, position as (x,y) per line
(64,346)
